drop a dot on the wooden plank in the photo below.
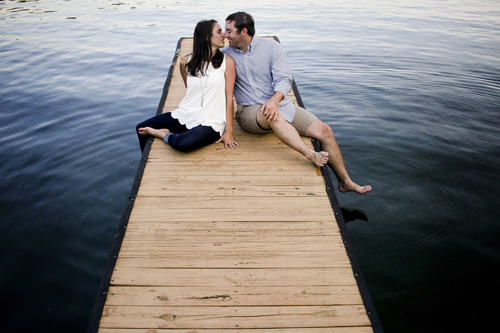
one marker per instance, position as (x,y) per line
(233,317)
(244,169)
(174,259)
(223,214)
(236,178)
(197,228)
(232,277)
(237,296)
(153,189)
(158,240)
(221,246)
(231,209)
(227,257)
(357,329)
(242,262)
(288,205)
(214,180)
(271,164)
(215,172)
(266,155)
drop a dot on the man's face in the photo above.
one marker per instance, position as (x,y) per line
(234,38)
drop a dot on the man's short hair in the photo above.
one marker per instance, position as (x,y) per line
(242,20)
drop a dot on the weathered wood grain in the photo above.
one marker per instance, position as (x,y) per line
(234,317)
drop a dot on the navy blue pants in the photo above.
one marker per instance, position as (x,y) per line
(182,138)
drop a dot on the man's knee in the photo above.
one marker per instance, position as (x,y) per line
(263,122)
(321,131)
(326,130)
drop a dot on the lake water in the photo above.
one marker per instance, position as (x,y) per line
(410,88)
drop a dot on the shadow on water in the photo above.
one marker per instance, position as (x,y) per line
(351,215)
(363,206)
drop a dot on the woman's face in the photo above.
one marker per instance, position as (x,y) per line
(217,39)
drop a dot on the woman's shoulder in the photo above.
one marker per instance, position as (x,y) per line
(228,59)
(185,59)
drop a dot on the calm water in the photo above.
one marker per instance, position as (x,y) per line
(411,89)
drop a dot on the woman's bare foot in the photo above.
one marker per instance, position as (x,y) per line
(159,133)
(318,158)
(352,186)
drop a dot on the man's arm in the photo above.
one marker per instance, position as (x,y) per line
(281,71)
(282,82)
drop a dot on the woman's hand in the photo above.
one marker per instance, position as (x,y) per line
(230,76)
(228,140)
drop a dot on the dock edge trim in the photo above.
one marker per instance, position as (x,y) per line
(330,190)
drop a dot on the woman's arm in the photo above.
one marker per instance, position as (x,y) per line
(182,67)
(230,76)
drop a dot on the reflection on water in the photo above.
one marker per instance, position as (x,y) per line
(412,92)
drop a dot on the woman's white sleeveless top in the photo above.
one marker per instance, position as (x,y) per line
(205,100)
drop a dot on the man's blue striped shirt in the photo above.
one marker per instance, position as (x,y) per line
(261,71)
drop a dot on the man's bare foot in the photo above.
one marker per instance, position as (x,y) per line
(159,133)
(352,186)
(319,158)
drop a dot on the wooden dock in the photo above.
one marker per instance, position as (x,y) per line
(230,241)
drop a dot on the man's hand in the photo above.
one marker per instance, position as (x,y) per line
(270,110)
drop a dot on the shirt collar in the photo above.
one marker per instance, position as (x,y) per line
(253,43)
(251,46)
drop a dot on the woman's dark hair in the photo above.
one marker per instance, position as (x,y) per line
(202,49)
(242,20)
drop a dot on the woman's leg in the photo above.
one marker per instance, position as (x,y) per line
(196,137)
(160,121)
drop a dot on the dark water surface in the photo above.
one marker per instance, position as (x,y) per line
(411,89)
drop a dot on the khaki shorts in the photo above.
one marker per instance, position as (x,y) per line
(246,116)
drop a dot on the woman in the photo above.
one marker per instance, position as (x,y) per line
(205,115)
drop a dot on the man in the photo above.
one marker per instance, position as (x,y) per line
(263,80)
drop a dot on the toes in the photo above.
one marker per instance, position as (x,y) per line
(364,189)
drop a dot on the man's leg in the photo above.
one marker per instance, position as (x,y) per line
(289,135)
(324,134)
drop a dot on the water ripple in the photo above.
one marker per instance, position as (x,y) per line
(372,205)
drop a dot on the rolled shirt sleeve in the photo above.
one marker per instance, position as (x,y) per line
(281,72)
